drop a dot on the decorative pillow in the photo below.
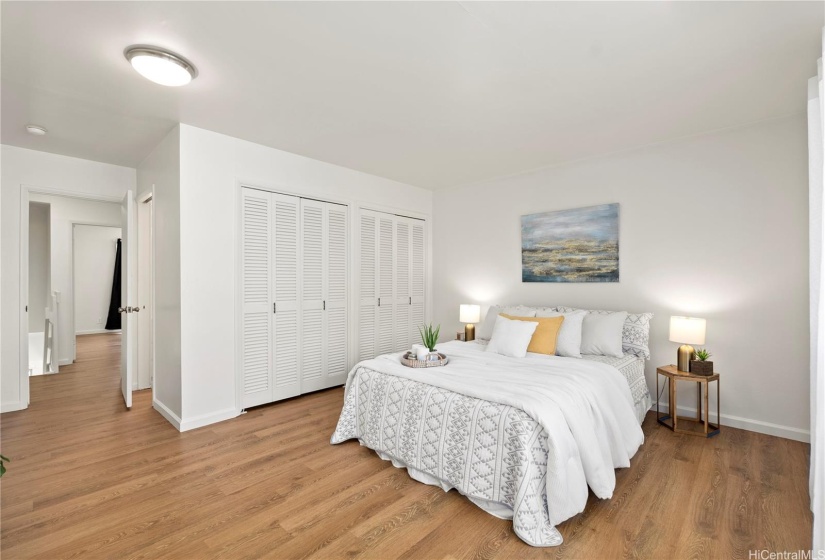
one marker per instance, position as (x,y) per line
(602,334)
(547,331)
(485,329)
(635,332)
(569,342)
(511,338)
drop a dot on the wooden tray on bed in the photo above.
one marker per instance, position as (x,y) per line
(410,360)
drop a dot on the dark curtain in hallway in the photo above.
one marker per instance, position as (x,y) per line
(113,319)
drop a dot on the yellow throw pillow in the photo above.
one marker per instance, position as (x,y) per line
(547,331)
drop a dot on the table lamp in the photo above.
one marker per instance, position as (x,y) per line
(470,314)
(687,330)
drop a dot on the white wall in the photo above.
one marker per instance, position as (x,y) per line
(46,171)
(160,173)
(212,165)
(713,226)
(65,212)
(39,252)
(94,261)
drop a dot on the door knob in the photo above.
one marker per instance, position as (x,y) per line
(136,309)
(122,310)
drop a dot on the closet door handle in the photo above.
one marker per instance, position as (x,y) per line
(325,305)
(379,302)
(274,307)
(410,300)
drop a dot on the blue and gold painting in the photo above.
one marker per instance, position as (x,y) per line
(578,245)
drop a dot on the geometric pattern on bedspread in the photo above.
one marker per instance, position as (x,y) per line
(633,369)
(483,449)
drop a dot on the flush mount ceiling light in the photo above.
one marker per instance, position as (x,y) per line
(36,130)
(161,66)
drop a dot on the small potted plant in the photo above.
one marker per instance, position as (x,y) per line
(700,364)
(429,337)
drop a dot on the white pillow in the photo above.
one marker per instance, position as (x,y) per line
(485,329)
(511,338)
(602,334)
(569,342)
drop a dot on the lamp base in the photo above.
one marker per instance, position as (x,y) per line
(469,332)
(683,356)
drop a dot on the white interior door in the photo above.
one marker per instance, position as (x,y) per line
(128,295)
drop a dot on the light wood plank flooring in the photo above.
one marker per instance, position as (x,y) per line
(90,479)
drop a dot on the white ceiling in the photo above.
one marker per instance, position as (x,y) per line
(431,94)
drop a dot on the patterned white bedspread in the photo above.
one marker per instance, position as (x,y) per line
(633,369)
(520,438)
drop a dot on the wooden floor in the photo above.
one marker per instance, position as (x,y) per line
(90,479)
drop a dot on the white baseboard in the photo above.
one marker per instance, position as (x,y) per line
(166,413)
(749,424)
(96,331)
(65,362)
(206,419)
(12,406)
(197,421)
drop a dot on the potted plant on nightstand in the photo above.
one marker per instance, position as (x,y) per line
(700,364)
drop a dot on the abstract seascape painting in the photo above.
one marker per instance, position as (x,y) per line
(578,245)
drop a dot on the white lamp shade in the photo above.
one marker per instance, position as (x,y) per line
(687,330)
(469,313)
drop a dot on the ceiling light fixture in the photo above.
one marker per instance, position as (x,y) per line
(36,130)
(161,66)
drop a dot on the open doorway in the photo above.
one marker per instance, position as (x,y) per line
(95,287)
(71,246)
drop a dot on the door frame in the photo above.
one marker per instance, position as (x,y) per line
(23,343)
(141,199)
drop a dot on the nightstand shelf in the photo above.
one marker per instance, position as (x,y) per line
(696,426)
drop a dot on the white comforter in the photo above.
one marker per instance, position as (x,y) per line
(585,407)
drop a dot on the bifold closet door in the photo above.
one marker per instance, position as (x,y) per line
(286,281)
(337,290)
(368,293)
(257,323)
(385,341)
(409,281)
(417,277)
(270,287)
(324,302)
(402,285)
(391,304)
(376,312)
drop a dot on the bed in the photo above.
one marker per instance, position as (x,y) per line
(521,438)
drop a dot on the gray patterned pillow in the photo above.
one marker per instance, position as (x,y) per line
(635,332)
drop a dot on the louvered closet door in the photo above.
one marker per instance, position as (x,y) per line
(336,256)
(402,285)
(368,285)
(313,266)
(385,341)
(256,329)
(286,275)
(417,277)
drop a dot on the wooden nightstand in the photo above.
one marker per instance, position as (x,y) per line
(694,426)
